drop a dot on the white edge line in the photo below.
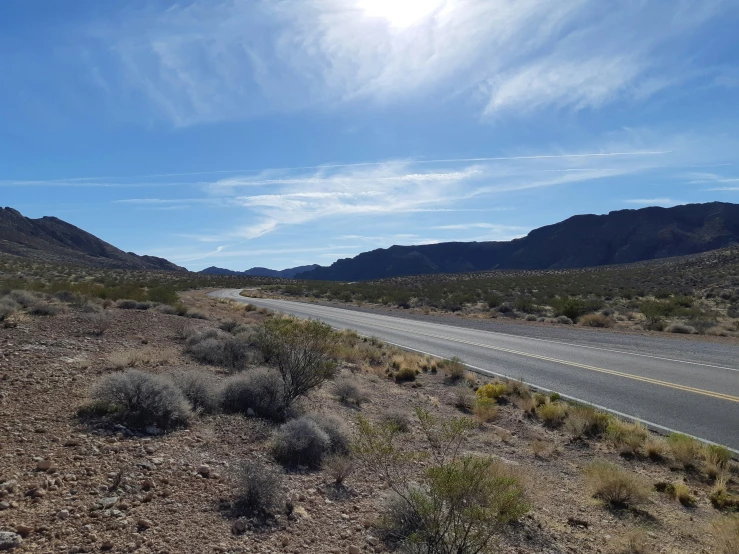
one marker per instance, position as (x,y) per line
(649,424)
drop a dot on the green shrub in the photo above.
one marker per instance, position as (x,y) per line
(302,351)
(462,502)
(552,414)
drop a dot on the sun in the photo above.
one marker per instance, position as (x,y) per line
(399,13)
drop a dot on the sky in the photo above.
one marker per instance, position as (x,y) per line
(278,133)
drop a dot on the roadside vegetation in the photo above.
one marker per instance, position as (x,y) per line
(693,295)
(263,431)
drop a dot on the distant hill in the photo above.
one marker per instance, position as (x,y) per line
(581,241)
(262,271)
(50,239)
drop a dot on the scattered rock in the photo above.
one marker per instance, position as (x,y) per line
(354,549)
(23,530)
(107,503)
(4,506)
(9,541)
(204,470)
(144,524)
(62,514)
(239,527)
(44,465)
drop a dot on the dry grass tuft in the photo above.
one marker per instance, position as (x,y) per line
(552,414)
(614,485)
(628,437)
(140,357)
(485,410)
(726,535)
(685,450)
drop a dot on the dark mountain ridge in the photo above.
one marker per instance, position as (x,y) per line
(261,271)
(50,239)
(618,237)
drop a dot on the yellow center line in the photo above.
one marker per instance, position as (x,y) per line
(668,384)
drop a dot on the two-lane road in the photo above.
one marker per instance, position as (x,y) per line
(698,396)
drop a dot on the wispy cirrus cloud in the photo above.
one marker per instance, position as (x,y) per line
(654,201)
(210,61)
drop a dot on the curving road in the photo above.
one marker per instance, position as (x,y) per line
(669,383)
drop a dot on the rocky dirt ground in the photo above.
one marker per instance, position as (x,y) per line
(69,487)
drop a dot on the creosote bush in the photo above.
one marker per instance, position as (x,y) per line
(302,351)
(139,399)
(614,485)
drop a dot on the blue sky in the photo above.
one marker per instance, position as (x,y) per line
(283,132)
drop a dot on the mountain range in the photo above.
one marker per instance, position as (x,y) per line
(622,236)
(581,241)
(262,271)
(49,239)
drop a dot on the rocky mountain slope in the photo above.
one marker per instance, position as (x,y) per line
(50,239)
(261,271)
(581,241)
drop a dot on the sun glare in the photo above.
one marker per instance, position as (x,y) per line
(399,13)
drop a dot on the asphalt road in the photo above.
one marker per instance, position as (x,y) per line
(675,384)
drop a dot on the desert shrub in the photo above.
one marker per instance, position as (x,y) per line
(216,347)
(462,501)
(25,298)
(564,320)
(582,421)
(720,497)
(259,390)
(194,314)
(596,320)
(405,375)
(681,492)
(485,410)
(339,468)
(91,308)
(655,448)
(199,389)
(518,388)
(300,442)
(685,450)
(454,369)
(45,309)
(140,399)
(726,535)
(336,430)
(614,485)
(8,307)
(717,455)
(349,392)
(465,400)
(634,543)
(491,391)
(400,420)
(260,488)
(302,351)
(233,327)
(99,323)
(573,308)
(681,329)
(127,304)
(626,436)
(552,414)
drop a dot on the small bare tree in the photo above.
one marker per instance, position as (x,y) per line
(302,351)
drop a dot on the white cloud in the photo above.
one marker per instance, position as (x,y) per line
(654,201)
(212,61)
